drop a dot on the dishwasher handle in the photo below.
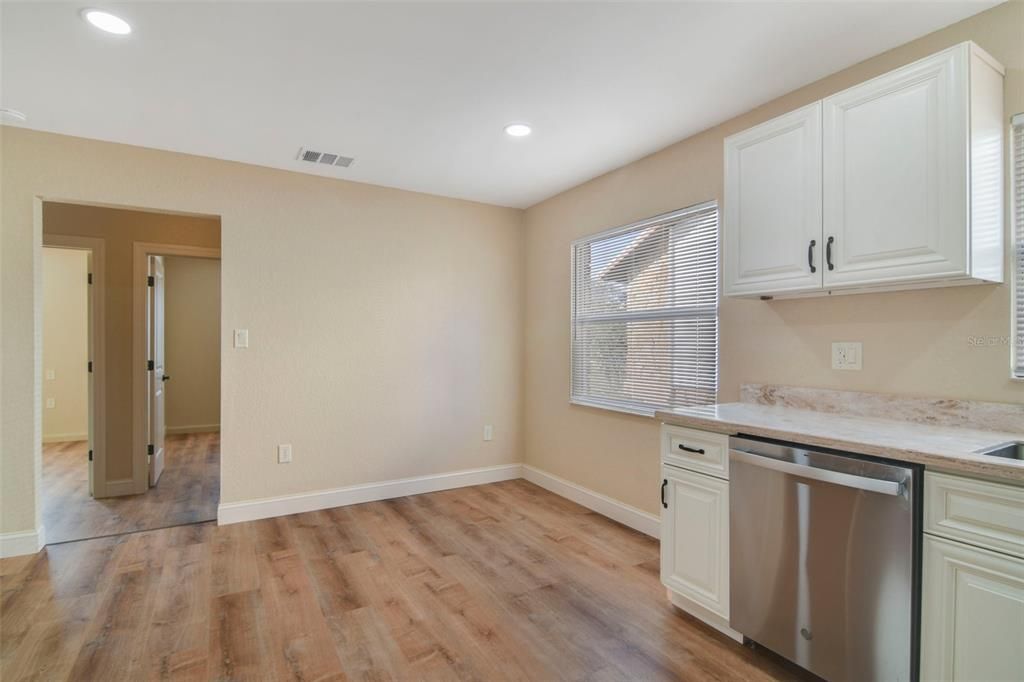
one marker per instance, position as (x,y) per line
(874,485)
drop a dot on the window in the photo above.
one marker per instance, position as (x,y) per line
(1017,257)
(645,313)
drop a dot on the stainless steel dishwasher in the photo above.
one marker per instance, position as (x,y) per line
(825,558)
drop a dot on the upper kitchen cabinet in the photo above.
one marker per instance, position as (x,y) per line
(911,179)
(773,205)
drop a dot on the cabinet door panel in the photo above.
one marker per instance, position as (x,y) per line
(773,205)
(694,538)
(895,173)
(972,613)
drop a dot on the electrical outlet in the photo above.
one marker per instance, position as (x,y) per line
(50,375)
(50,403)
(488,432)
(241,338)
(847,355)
(284,453)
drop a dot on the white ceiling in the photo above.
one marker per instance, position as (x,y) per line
(419,93)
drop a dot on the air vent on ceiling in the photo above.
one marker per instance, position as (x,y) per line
(325,158)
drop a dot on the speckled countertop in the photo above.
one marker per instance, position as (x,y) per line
(950,448)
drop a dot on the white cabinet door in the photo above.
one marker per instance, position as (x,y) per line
(895,175)
(772,227)
(972,613)
(695,538)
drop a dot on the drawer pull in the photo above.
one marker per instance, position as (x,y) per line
(696,451)
(664,483)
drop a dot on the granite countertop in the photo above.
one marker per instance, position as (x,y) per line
(951,448)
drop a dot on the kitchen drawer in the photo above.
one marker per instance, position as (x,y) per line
(980,513)
(701,451)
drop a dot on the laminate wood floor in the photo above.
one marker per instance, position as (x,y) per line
(497,582)
(187,492)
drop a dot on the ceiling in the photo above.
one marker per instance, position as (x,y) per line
(419,92)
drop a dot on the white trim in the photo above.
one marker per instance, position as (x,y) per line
(19,544)
(251,510)
(637,519)
(193,428)
(64,437)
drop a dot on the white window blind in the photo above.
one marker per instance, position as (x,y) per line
(645,313)
(1017,258)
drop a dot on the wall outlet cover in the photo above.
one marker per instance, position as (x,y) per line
(241,338)
(847,355)
(50,403)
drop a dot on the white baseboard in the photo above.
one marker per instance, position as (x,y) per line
(64,437)
(18,544)
(192,428)
(637,519)
(250,510)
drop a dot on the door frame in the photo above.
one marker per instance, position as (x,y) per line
(141,251)
(98,393)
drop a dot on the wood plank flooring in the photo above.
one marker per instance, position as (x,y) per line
(498,582)
(187,492)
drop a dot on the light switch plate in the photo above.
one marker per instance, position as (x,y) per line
(488,432)
(847,355)
(241,338)
(50,403)
(50,375)
(284,453)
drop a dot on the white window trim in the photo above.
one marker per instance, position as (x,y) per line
(625,406)
(1016,339)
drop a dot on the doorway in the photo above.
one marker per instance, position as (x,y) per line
(149,454)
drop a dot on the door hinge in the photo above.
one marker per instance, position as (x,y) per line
(90,278)
(90,366)
(90,455)
(150,281)
(149,365)
(149,449)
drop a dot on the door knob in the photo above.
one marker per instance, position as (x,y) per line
(165,377)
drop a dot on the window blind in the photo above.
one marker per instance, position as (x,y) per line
(645,313)
(1018,245)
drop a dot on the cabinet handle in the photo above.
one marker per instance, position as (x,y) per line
(828,253)
(664,483)
(810,255)
(696,451)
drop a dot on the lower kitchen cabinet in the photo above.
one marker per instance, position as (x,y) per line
(972,613)
(695,538)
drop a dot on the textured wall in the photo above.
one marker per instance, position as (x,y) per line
(914,342)
(385,326)
(65,344)
(192,335)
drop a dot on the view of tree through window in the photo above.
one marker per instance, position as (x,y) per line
(645,313)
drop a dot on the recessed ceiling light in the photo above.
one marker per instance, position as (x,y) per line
(518,129)
(105,21)
(11,114)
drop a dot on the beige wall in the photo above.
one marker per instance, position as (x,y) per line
(192,338)
(65,344)
(914,342)
(120,229)
(385,326)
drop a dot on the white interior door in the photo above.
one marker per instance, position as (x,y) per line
(157,376)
